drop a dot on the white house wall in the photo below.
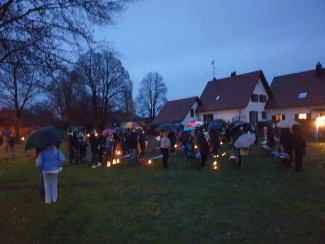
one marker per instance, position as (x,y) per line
(257,106)
(188,115)
(292,111)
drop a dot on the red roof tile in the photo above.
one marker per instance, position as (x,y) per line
(287,88)
(235,92)
(175,111)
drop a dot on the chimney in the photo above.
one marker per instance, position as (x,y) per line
(319,69)
(214,78)
(233,74)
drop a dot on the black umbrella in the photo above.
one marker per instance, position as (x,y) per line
(167,126)
(42,137)
(216,124)
(6,132)
(119,129)
(240,126)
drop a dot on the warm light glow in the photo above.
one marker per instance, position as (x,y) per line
(114,161)
(118,152)
(22,139)
(218,155)
(302,116)
(195,146)
(108,164)
(175,146)
(96,134)
(117,161)
(215,167)
(224,154)
(320,121)
(214,156)
(149,161)
(215,163)
(88,135)
(221,143)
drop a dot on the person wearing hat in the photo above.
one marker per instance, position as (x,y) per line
(299,146)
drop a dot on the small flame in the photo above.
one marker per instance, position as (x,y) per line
(108,164)
(114,161)
(96,134)
(175,146)
(195,146)
(22,139)
(88,135)
(149,161)
(215,163)
(215,167)
(221,143)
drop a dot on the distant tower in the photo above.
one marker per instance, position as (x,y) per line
(213,70)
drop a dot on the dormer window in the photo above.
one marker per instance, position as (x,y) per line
(218,97)
(302,95)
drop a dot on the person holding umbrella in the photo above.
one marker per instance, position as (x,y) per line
(49,162)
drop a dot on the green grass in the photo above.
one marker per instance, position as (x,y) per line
(148,204)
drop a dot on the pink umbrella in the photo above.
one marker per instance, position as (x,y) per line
(109,131)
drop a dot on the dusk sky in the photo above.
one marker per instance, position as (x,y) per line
(180,38)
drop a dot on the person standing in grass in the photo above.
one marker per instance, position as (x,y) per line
(299,147)
(203,146)
(165,148)
(49,162)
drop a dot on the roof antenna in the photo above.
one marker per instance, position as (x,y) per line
(213,70)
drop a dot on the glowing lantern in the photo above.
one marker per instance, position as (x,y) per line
(96,134)
(224,154)
(175,146)
(117,161)
(22,139)
(215,163)
(149,161)
(195,146)
(88,135)
(215,167)
(108,164)
(114,161)
(118,152)
(221,143)
(218,155)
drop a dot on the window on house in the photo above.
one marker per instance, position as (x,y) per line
(278,117)
(263,98)
(192,112)
(207,118)
(302,95)
(218,97)
(263,115)
(302,116)
(254,98)
(253,116)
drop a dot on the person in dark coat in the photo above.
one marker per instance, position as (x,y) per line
(287,144)
(101,148)
(214,141)
(172,138)
(132,145)
(142,142)
(204,148)
(299,146)
(94,143)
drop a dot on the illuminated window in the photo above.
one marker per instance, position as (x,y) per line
(302,95)
(218,97)
(302,116)
(278,117)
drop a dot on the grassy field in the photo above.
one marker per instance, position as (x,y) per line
(148,204)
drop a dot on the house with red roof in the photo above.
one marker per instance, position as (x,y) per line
(238,97)
(177,111)
(299,96)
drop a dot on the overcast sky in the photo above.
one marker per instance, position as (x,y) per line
(180,38)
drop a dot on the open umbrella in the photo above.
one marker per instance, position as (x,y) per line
(42,137)
(189,128)
(130,125)
(167,126)
(240,126)
(109,131)
(191,124)
(216,124)
(6,132)
(287,123)
(245,140)
(117,129)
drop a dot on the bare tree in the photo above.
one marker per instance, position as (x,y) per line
(21,82)
(66,91)
(106,79)
(45,27)
(152,95)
